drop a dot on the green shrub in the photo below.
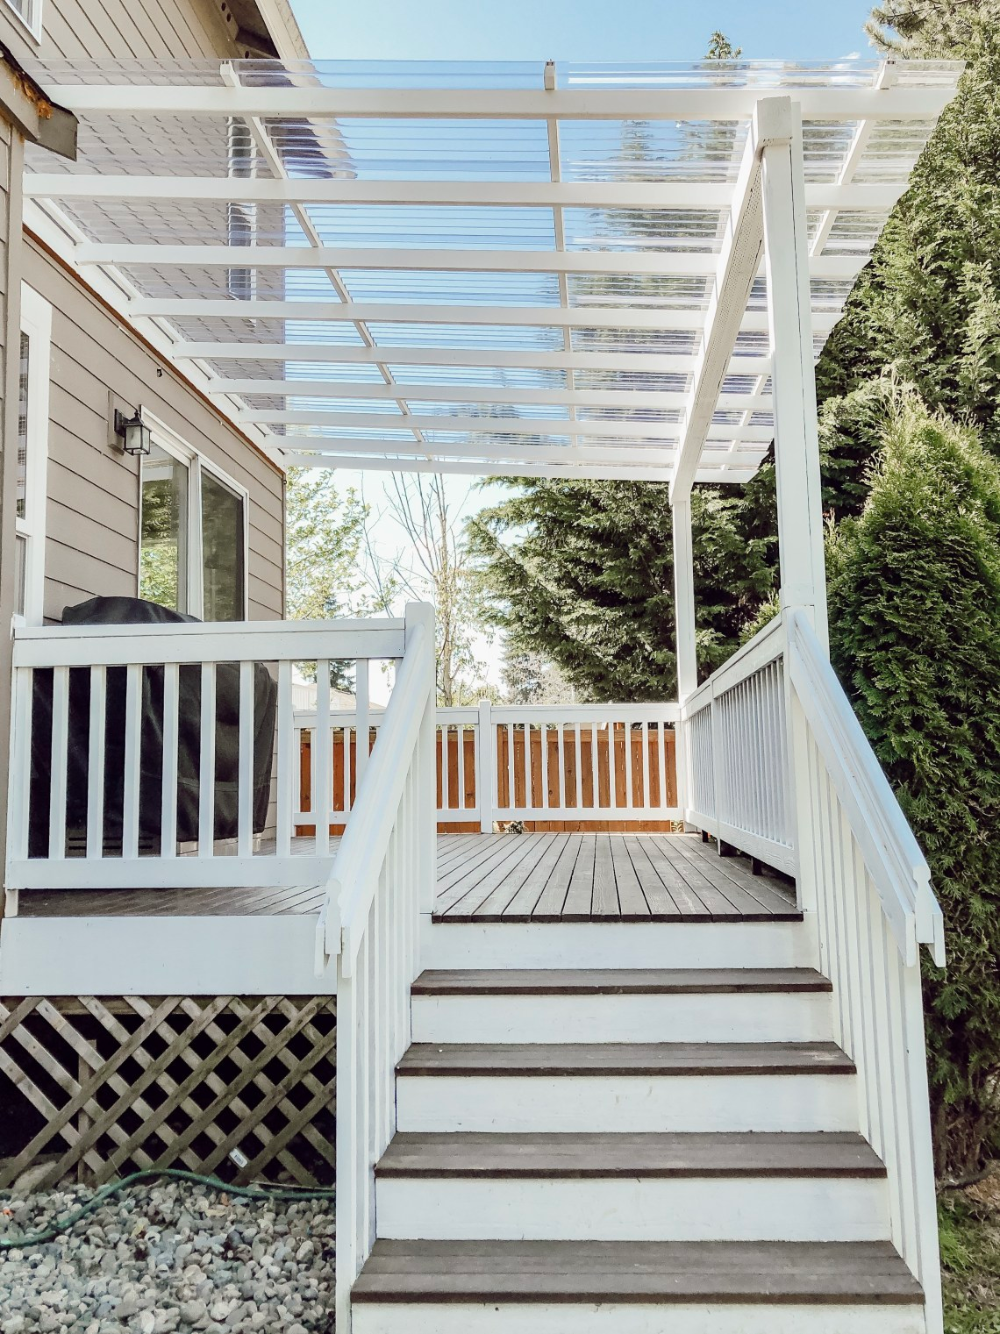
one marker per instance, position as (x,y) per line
(914,588)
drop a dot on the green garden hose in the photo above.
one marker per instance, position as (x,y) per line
(61,1225)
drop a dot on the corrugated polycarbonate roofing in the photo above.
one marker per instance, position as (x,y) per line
(497,268)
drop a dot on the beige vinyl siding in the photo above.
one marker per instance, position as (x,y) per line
(15,35)
(144,29)
(93,489)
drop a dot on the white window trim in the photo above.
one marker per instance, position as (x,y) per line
(36,322)
(32,20)
(196,462)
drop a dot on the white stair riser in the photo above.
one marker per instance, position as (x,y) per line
(626,1318)
(610,1103)
(622,1209)
(619,945)
(750,1017)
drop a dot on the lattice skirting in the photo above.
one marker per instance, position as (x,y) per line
(124,1083)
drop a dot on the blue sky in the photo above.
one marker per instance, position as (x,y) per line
(588,30)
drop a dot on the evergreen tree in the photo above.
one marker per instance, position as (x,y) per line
(721,48)
(928,304)
(582,573)
(929,28)
(914,591)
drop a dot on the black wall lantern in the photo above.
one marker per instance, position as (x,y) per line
(135,435)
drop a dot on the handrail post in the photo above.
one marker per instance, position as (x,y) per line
(786,260)
(485,767)
(422,613)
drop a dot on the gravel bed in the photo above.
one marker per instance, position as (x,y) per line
(169,1258)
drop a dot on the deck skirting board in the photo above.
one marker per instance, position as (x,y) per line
(186,956)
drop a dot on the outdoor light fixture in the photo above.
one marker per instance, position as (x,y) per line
(135,435)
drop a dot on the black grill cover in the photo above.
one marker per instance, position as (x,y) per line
(134,611)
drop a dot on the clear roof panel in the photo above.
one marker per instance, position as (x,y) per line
(496,267)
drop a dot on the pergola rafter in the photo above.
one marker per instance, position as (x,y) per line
(532,270)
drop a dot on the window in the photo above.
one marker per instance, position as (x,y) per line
(192,533)
(30,14)
(32,455)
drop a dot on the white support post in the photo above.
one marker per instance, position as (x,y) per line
(687,657)
(685,642)
(786,252)
(422,613)
(486,767)
(362,722)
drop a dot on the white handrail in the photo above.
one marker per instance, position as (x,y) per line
(362,850)
(383,879)
(861,880)
(897,866)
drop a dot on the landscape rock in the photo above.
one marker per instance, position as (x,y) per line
(167,1257)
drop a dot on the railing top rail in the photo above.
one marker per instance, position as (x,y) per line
(354,879)
(229,641)
(585,713)
(766,645)
(522,713)
(896,864)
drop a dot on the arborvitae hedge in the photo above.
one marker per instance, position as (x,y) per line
(914,586)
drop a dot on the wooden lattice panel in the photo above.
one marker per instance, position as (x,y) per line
(134,1082)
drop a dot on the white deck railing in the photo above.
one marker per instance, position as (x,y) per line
(383,878)
(584,763)
(777,714)
(123,728)
(737,752)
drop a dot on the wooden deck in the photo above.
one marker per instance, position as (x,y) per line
(499,877)
(586,877)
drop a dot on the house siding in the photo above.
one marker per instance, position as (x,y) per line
(144,29)
(93,489)
(123,29)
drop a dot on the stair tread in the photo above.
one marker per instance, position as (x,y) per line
(615,981)
(575,1156)
(674,1272)
(624,1058)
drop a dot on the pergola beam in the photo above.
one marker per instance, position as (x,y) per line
(653,432)
(652,195)
(499,358)
(661,263)
(831,103)
(586,317)
(483,468)
(611,455)
(625,398)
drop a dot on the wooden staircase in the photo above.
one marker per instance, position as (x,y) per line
(627,1149)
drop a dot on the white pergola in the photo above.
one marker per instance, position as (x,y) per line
(523,270)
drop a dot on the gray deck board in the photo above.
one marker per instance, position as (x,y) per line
(582,1156)
(624,1058)
(808,1273)
(542,877)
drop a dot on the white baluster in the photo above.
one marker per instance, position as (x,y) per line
(206,775)
(95,762)
(168,793)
